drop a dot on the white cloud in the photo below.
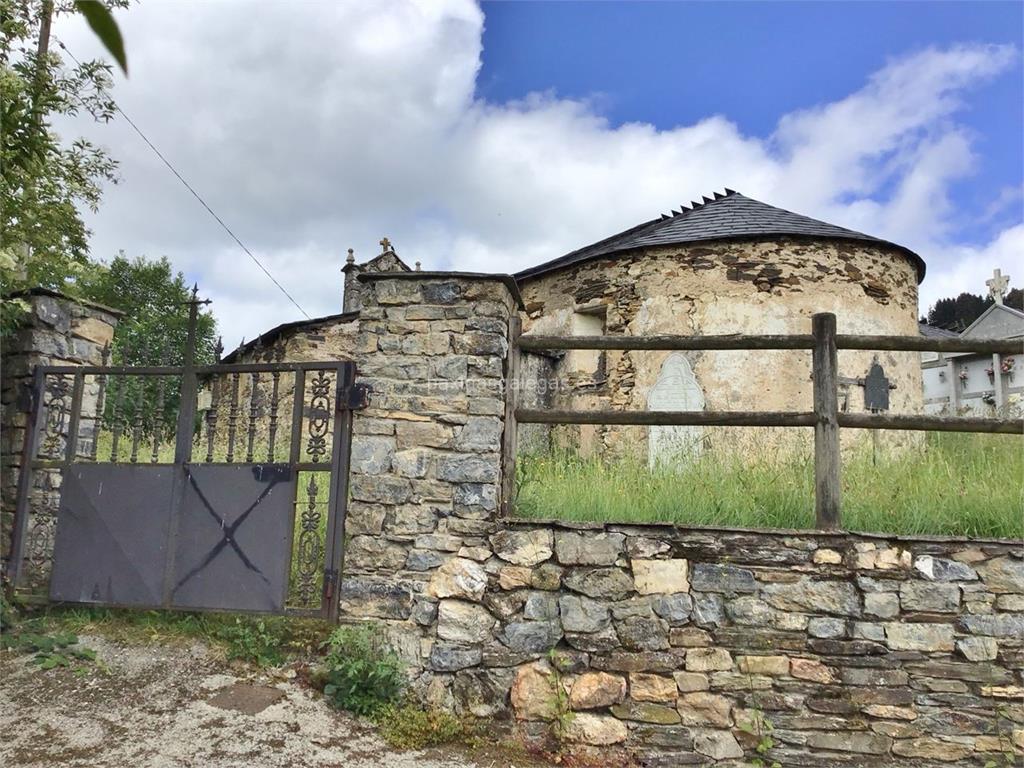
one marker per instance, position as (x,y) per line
(310,129)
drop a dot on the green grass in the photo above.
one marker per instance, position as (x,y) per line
(954,484)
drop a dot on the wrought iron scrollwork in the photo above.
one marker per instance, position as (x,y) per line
(310,549)
(58,411)
(319,416)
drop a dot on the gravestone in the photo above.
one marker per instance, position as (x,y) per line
(675,390)
(876,389)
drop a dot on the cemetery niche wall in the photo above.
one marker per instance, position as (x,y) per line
(977,384)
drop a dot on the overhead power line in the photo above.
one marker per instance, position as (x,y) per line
(188,186)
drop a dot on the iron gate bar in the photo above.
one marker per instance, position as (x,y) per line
(71,449)
(347,394)
(33,428)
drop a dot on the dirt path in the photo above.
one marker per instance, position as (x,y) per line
(174,706)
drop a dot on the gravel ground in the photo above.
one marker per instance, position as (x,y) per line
(152,708)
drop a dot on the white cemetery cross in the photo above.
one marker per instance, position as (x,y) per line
(997,286)
(675,390)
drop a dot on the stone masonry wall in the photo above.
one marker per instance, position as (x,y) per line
(58,330)
(756,287)
(676,646)
(426,459)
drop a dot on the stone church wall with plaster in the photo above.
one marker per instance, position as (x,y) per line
(749,287)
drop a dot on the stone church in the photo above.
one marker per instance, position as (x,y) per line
(727,264)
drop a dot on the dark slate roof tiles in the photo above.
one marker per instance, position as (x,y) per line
(729,216)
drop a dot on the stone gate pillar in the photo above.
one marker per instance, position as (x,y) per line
(57,330)
(426,457)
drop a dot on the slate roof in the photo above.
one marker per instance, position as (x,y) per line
(729,216)
(934,332)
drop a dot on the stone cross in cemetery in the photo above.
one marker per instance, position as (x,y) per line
(997,286)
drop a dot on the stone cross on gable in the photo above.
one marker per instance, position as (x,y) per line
(385,245)
(997,286)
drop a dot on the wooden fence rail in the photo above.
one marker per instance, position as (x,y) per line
(826,418)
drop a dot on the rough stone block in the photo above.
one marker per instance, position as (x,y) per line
(728,579)
(593,690)
(660,576)
(703,709)
(1003,574)
(708,659)
(463,622)
(573,548)
(648,687)
(458,577)
(885,605)
(604,583)
(523,547)
(581,614)
(763,665)
(597,730)
(929,596)
(836,597)
(919,637)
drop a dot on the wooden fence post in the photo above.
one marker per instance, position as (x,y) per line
(509,439)
(825,366)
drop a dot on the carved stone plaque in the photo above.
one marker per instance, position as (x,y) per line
(876,389)
(675,390)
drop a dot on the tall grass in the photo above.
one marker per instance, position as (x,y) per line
(955,484)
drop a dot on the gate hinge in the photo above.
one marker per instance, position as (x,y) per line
(354,397)
(25,399)
(330,583)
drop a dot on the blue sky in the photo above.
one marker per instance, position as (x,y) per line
(672,64)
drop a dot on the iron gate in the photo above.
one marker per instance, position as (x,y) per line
(217,487)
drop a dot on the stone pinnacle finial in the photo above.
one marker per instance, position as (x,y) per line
(351,258)
(997,286)
(418,266)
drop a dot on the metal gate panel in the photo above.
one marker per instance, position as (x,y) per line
(111,540)
(232,537)
(202,530)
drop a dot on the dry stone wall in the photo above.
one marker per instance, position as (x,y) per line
(682,646)
(674,646)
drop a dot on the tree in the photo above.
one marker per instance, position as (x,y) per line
(154,299)
(46,180)
(1015,299)
(153,330)
(957,313)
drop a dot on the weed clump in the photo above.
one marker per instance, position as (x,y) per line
(362,674)
(408,726)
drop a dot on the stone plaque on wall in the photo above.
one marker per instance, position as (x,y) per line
(675,390)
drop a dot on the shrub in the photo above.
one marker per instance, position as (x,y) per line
(362,674)
(254,640)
